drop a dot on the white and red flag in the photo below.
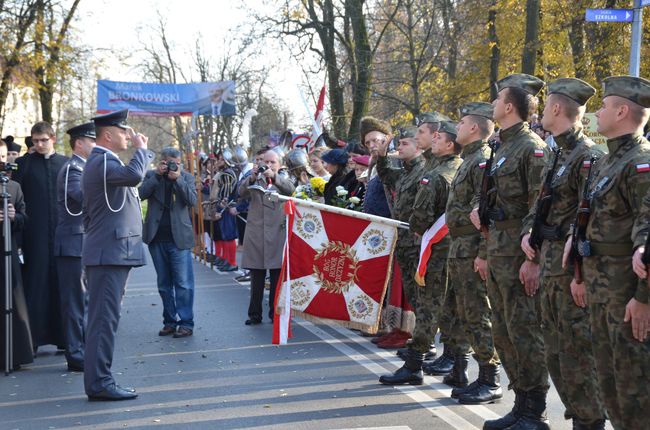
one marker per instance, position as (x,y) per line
(337,266)
(317,128)
(433,235)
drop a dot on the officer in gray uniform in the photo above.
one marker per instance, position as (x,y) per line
(68,240)
(112,244)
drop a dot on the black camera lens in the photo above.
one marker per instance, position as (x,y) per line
(172,166)
(262,168)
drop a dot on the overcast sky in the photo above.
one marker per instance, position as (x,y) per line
(119,25)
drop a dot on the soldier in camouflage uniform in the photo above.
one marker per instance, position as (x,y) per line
(404,182)
(472,305)
(432,309)
(565,316)
(516,170)
(618,300)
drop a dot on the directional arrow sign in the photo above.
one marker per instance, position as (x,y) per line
(610,15)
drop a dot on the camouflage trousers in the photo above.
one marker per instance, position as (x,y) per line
(472,309)
(567,345)
(516,328)
(622,362)
(407,259)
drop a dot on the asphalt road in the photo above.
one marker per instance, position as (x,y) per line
(228,376)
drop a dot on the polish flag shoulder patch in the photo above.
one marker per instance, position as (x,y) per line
(586,164)
(482,165)
(644,167)
(424,181)
(538,153)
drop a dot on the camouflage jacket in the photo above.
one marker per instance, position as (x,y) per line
(430,202)
(430,160)
(621,181)
(567,186)
(517,173)
(463,197)
(404,182)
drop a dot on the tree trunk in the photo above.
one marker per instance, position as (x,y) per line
(529,57)
(577,40)
(363,55)
(495,52)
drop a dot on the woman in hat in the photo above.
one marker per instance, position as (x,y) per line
(335,162)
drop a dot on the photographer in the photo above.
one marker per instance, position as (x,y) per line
(22,337)
(168,231)
(265,232)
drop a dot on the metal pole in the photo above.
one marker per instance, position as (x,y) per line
(635,45)
(9,311)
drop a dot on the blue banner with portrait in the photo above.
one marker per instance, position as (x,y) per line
(204,98)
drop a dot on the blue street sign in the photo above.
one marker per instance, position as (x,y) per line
(610,15)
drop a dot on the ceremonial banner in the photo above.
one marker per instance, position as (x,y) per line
(337,265)
(204,98)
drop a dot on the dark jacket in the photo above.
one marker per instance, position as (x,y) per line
(344,178)
(68,238)
(184,197)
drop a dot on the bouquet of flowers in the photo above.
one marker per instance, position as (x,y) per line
(343,201)
(311,191)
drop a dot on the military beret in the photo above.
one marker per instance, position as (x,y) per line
(369,124)
(408,131)
(83,130)
(430,117)
(336,156)
(448,127)
(634,89)
(528,83)
(483,109)
(576,89)
(115,119)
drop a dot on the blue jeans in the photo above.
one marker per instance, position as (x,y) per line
(175,283)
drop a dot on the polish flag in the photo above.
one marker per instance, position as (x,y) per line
(318,119)
(433,235)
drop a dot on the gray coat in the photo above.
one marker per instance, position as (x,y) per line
(113,238)
(68,238)
(183,199)
(266,225)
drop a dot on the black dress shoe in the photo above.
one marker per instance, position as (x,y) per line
(127,389)
(111,393)
(243,278)
(76,367)
(253,321)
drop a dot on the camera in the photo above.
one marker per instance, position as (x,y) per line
(8,167)
(261,168)
(172,166)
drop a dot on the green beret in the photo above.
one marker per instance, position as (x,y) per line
(430,117)
(528,83)
(483,109)
(408,131)
(448,127)
(369,124)
(576,89)
(628,87)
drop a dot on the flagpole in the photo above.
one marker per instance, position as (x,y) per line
(273,196)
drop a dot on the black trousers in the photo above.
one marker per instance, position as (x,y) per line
(257,292)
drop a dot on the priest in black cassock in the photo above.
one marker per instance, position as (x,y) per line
(22,338)
(37,173)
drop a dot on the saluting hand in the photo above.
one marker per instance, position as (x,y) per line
(139,140)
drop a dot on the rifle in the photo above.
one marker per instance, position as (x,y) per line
(543,206)
(579,234)
(487,184)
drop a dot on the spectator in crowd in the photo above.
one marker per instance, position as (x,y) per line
(223,195)
(208,226)
(335,162)
(13,149)
(361,163)
(316,163)
(168,232)
(37,174)
(68,241)
(22,337)
(265,232)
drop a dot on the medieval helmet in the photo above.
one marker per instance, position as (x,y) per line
(297,158)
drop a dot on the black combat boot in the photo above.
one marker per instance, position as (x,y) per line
(596,425)
(487,388)
(458,375)
(533,416)
(441,365)
(511,417)
(410,373)
(430,355)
